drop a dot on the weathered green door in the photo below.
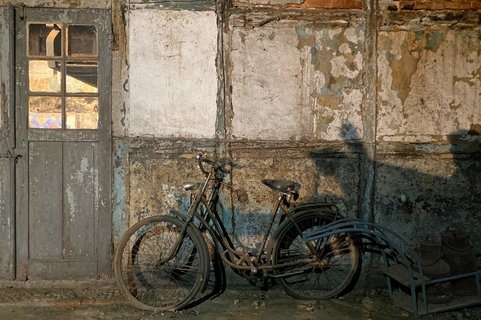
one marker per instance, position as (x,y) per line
(63,72)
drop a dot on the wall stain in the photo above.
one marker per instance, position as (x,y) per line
(304,38)
(404,67)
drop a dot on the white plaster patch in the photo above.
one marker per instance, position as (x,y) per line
(72,203)
(354,35)
(266,95)
(344,48)
(340,68)
(173,77)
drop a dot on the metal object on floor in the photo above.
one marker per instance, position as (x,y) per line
(402,267)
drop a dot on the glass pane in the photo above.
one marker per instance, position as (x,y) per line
(82,112)
(45,40)
(82,41)
(45,112)
(44,76)
(81,77)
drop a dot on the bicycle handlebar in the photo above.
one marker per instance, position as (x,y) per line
(216,165)
(201,160)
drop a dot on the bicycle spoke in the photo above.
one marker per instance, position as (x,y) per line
(326,271)
(150,281)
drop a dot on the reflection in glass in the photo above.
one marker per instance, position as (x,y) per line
(44,76)
(82,112)
(45,40)
(81,77)
(82,41)
(45,112)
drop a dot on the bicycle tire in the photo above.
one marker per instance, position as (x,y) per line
(329,273)
(169,286)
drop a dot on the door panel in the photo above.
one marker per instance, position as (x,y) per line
(63,128)
(80,199)
(45,200)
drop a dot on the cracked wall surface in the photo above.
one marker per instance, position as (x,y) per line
(429,82)
(311,88)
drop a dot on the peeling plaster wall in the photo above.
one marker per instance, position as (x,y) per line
(296,95)
(429,82)
(311,86)
(172,75)
(314,91)
(428,104)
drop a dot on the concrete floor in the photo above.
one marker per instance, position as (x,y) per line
(101,300)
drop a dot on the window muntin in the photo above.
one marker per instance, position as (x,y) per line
(62,76)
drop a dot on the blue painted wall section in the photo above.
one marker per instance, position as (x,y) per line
(120,187)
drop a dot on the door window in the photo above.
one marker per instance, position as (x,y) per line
(62,76)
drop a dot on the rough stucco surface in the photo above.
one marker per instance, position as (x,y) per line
(156,186)
(429,196)
(329,180)
(429,83)
(311,85)
(428,92)
(172,77)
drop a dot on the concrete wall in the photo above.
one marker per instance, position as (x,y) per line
(359,102)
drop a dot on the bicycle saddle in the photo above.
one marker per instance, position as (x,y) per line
(283,186)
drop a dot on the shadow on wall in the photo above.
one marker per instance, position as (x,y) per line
(419,193)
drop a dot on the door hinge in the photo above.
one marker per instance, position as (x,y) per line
(11,155)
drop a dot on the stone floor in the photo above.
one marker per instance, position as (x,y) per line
(102,300)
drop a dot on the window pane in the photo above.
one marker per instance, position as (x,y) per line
(81,77)
(44,76)
(45,40)
(82,112)
(82,41)
(45,112)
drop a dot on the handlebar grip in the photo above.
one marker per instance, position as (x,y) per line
(200,160)
(217,165)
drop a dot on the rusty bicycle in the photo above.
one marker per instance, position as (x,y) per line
(163,262)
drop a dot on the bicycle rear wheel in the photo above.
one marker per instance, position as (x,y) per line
(325,273)
(147,282)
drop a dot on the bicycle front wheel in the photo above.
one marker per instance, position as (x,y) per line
(325,270)
(150,282)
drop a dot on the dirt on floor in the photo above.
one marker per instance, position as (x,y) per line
(101,300)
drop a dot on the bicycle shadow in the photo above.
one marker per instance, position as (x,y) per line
(215,285)
(419,191)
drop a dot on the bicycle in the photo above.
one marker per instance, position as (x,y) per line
(164,261)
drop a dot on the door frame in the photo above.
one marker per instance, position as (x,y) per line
(7,146)
(102,17)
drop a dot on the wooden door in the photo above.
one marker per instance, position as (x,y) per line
(7,144)
(63,133)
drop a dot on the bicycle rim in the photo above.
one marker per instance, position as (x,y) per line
(151,285)
(328,273)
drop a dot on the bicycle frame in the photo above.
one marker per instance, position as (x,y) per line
(208,219)
(198,248)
